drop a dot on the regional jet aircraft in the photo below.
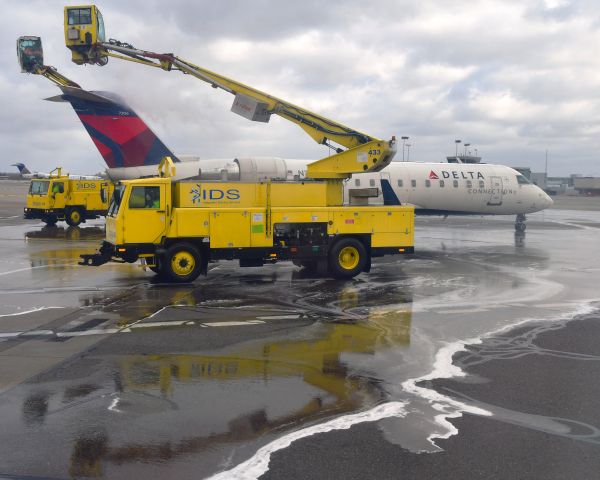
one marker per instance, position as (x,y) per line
(131,150)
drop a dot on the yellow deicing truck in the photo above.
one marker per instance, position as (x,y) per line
(177,227)
(61,197)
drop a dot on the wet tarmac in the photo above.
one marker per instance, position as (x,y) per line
(271,372)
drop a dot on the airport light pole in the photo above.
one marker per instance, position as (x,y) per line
(456,143)
(404,139)
(466,145)
(408,152)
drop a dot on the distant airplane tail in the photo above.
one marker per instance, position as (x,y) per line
(121,137)
(23,170)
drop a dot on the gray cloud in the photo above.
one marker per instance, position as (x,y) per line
(510,77)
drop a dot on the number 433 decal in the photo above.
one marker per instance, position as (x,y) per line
(374,152)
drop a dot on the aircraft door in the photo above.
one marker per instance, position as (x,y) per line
(145,218)
(496,188)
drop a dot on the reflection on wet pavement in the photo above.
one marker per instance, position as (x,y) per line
(52,232)
(135,378)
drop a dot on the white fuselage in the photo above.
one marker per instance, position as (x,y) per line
(450,188)
(432,188)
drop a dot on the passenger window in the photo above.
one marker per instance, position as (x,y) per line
(428,183)
(413,183)
(400,183)
(455,183)
(372,182)
(145,197)
(442,183)
(469,184)
(356,182)
(481,184)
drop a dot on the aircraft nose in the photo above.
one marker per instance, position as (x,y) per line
(547,201)
(540,200)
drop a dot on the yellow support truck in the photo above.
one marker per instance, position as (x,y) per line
(177,227)
(60,197)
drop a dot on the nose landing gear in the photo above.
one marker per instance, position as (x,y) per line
(520,223)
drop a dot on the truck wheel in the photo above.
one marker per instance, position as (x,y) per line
(74,216)
(347,258)
(181,263)
(50,220)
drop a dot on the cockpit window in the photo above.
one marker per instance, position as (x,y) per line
(522,180)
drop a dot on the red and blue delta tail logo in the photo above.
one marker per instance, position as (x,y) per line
(121,137)
(433,175)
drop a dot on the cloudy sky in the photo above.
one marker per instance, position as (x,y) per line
(513,78)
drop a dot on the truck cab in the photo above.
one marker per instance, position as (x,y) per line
(143,206)
(30,53)
(44,197)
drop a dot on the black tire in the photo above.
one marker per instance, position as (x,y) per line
(347,258)
(50,220)
(130,257)
(74,216)
(520,227)
(181,263)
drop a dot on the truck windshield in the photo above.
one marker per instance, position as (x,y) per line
(38,187)
(115,200)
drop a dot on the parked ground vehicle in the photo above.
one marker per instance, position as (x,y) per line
(60,197)
(177,227)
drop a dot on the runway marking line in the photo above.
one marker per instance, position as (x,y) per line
(128,329)
(231,324)
(279,317)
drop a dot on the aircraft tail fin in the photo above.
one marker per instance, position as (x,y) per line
(389,196)
(122,138)
(23,170)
